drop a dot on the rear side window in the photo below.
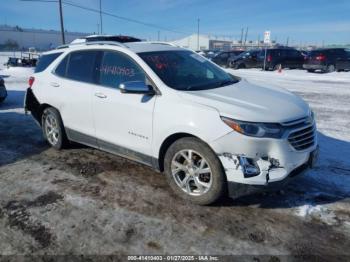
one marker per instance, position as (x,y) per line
(45,61)
(62,67)
(81,66)
(117,68)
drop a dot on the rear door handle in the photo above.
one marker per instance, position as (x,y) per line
(54,84)
(100,95)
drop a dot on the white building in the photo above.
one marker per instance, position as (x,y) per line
(191,42)
(203,42)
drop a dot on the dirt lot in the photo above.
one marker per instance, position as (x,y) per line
(84,201)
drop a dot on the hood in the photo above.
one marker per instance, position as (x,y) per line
(248,102)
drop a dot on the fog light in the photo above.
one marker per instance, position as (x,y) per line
(250,169)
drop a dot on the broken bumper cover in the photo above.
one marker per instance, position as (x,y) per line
(261,161)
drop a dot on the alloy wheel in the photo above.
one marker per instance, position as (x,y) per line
(191,172)
(51,128)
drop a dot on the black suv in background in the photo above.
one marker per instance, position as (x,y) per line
(222,58)
(281,57)
(275,58)
(328,60)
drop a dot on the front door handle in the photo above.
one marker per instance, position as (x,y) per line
(54,84)
(100,95)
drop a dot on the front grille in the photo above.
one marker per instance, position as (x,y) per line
(303,138)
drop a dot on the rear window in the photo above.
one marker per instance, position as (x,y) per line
(45,61)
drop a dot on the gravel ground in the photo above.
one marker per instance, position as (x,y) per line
(84,201)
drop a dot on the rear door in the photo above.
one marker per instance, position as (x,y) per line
(343,60)
(296,59)
(123,121)
(75,80)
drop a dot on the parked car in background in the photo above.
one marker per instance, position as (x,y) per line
(171,109)
(327,60)
(281,58)
(343,62)
(12,61)
(3,92)
(275,58)
(207,53)
(222,58)
(247,59)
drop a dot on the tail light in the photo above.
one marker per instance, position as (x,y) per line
(320,57)
(269,58)
(31,81)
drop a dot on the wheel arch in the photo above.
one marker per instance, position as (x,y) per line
(167,143)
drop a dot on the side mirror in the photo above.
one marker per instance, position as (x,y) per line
(136,87)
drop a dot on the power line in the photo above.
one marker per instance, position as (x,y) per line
(122,17)
(109,14)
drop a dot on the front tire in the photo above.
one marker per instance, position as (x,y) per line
(53,129)
(194,171)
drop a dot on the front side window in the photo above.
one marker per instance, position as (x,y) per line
(45,61)
(117,68)
(81,66)
(185,70)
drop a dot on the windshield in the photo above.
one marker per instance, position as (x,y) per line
(185,70)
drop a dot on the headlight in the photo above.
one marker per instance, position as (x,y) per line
(270,130)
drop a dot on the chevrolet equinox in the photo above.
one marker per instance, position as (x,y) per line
(173,110)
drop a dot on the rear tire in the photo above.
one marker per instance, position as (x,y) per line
(194,172)
(311,70)
(53,129)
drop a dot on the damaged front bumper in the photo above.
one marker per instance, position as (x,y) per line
(262,162)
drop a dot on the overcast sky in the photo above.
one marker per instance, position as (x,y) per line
(306,21)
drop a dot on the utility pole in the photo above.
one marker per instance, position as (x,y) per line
(61,18)
(101,17)
(287,41)
(242,37)
(198,34)
(246,35)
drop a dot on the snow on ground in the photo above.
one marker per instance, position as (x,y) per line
(83,201)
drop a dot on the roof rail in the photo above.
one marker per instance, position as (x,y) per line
(161,43)
(93,43)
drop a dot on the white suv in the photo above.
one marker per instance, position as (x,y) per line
(175,111)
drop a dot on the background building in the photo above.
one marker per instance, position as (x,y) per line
(215,43)
(23,38)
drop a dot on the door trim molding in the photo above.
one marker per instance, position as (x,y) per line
(132,155)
